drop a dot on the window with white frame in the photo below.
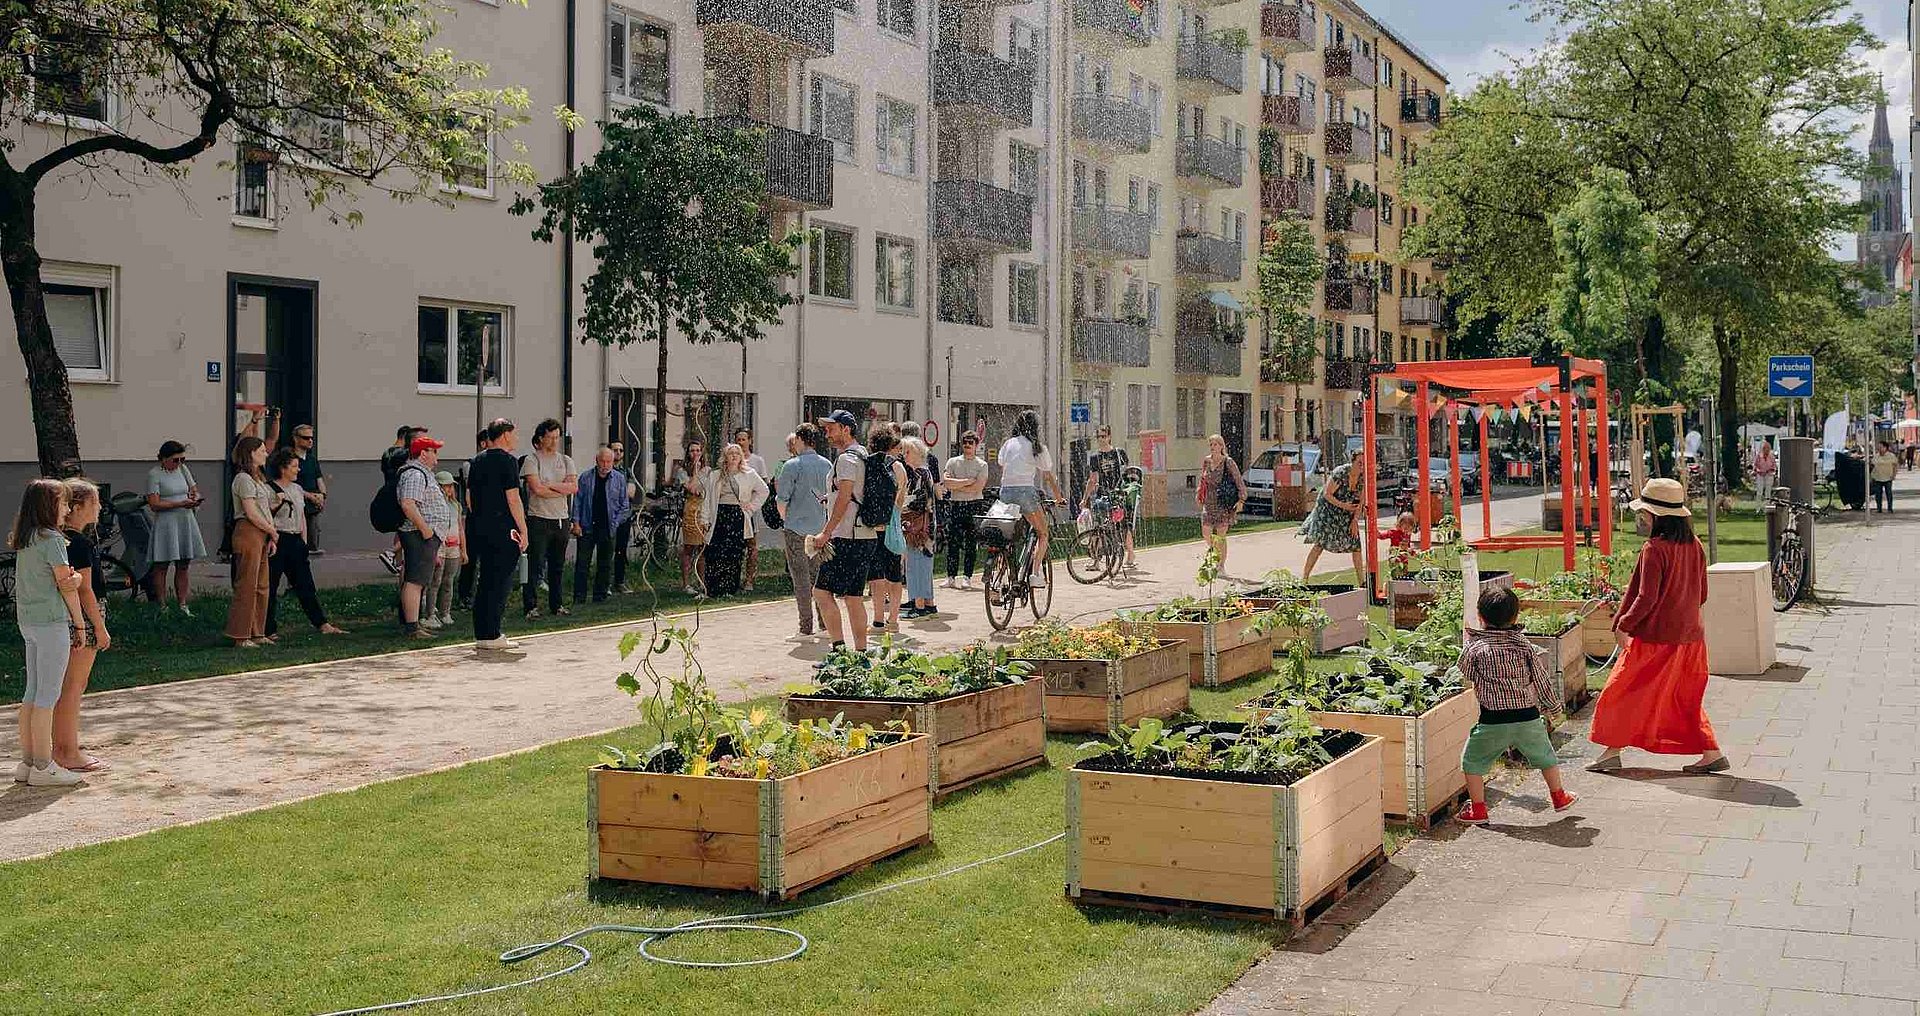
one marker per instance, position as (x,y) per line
(79,301)
(1182,397)
(832,107)
(896,135)
(1023,293)
(893,272)
(1153,206)
(1386,141)
(1386,72)
(1153,407)
(69,79)
(830,262)
(253,182)
(317,136)
(639,58)
(1023,46)
(1153,307)
(1099,394)
(1153,18)
(1133,194)
(1136,395)
(1137,90)
(455,338)
(1156,104)
(899,16)
(1023,169)
(473,173)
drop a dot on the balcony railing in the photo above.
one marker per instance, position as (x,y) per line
(1114,18)
(799,167)
(1206,61)
(1202,345)
(1112,123)
(1287,195)
(801,28)
(999,91)
(1419,310)
(1346,218)
(1215,258)
(1346,70)
(1103,341)
(1289,114)
(1108,231)
(1346,374)
(1287,27)
(1350,296)
(1209,159)
(1420,110)
(1348,143)
(979,215)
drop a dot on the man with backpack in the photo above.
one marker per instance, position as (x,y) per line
(391,460)
(855,547)
(427,517)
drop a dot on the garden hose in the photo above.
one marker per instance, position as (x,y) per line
(725,923)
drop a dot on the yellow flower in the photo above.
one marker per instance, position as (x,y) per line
(760,768)
(700,766)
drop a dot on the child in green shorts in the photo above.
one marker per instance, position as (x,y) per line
(1510,678)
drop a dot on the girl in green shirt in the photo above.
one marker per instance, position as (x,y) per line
(47,605)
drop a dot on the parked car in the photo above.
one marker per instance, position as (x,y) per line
(1259,474)
(1440,474)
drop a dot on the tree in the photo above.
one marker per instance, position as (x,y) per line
(339,92)
(1604,245)
(673,207)
(1290,265)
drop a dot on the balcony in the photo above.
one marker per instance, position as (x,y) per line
(974,215)
(798,29)
(1287,195)
(1353,297)
(1346,374)
(992,91)
(1420,110)
(1288,28)
(1348,144)
(1344,218)
(1419,310)
(1203,345)
(1112,124)
(1105,342)
(1223,69)
(1212,258)
(1112,232)
(799,167)
(1205,159)
(1112,18)
(1291,115)
(1346,70)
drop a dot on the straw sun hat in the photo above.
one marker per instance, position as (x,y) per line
(1662,496)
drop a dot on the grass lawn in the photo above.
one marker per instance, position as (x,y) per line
(156,647)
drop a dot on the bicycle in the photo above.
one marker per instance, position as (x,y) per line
(1101,551)
(1006,578)
(1789,558)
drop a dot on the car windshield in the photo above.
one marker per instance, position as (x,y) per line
(1266,459)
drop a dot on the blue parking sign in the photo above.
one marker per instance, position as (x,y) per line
(1789,377)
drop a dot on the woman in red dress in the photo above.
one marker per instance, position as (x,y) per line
(1652,701)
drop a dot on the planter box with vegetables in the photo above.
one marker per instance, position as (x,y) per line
(1102,677)
(1591,590)
(1559,635)
(1412,595)
(982,714)
(1225,641)
(1270,819)
(1344,605)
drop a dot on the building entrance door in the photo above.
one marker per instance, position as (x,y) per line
(271,355)
(1233,424)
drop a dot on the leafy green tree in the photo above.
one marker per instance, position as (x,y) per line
(1289,266)
(1604,245)
(357,90)
(674,209)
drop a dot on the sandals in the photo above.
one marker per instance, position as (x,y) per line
(1606,764)
(1719,765)
(93,765)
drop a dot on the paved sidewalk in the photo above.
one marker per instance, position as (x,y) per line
(1785,887)
(201,749)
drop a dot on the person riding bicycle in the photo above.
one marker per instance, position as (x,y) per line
(1023,462)
(1106,468)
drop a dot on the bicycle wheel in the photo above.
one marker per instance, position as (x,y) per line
(1789,570)
(6,579)
(997,587)
(116,576)
(1088,558)
(1040,598)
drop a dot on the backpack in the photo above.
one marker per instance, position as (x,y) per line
(384,513)
(877,491)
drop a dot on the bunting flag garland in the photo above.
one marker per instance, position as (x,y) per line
(1479,413)
(1498,416)
(1526,412)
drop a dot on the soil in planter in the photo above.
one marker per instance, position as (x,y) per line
(1337,743)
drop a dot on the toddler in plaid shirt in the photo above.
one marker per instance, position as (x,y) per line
(1510,678)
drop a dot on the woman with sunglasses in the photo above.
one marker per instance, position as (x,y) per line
(172,498)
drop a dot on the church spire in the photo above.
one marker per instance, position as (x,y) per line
(1882,136)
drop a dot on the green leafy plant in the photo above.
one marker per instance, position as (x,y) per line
(1193,608)
(1541,622)
(1594,577)
(1234,38)
(1111,640)
(1395,676)
(895,672)
(1281,742)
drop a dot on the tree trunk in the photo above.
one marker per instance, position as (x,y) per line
(1727,347)
(55,436)
(660,416)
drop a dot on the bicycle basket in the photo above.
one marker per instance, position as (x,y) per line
(999,526)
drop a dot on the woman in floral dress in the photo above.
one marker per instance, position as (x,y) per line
(1332,525)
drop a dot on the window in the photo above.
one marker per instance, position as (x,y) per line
(80,312)
(1386,72)
(1153,307)
(830,263)
(1136,410)
(1386,141)
(1137,90)
(451,340)
(1102,296)
(1099,394)
(1153,206)
(1079,184)
(1180,396)
(1156,103)
(1386,209)
(1226,223)
(473,177)
(1152,18)
(1240,228)
(1023,293)
(639,58)
(1023,46)
(832,107)
(1386,281)
(253,183)
(1023,169)
(1133,194)
(895,135)
(962,300)
(69,77)
(317,137)
(899,17)
(1153,407)
(1240,138)
(893,272)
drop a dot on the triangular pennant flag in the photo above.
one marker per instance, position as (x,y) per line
(1479,413)
(1545,386)
(1526,412)
(1498,416)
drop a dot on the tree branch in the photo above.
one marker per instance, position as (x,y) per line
(212,119)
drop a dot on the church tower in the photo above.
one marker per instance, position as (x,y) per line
(1878,248)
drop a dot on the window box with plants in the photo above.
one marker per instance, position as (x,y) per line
(1344,607)
(730,799)
(1560,635)
(1591,590)
(983,715)
(1102,677)
(1270,819)
(1226,638)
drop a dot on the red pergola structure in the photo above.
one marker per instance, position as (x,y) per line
(1508,382)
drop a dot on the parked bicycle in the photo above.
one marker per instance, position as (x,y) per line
(1006,579)
(1789,558)
(656,526)
(1099,549)
(121,545)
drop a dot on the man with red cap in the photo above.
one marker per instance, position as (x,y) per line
(426,517)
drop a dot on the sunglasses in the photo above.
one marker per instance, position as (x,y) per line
(303,437)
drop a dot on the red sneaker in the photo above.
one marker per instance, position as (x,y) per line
(1473,814)
(1563,801)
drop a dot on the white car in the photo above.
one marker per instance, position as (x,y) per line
(1259,475)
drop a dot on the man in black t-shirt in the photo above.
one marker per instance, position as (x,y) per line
(1106,471)
(496,532)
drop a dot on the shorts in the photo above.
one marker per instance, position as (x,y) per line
(887,565)
(419,556)
(1027,498)
(1488,741)
(846,573)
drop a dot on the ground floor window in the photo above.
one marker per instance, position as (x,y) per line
(80,311)
(711,417)
(868,411)
(454,340)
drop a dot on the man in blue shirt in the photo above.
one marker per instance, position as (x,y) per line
(802,497)
(599,509)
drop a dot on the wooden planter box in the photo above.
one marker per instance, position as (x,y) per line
(1346,609)
(1567,655)
(1234,849)
(1420,774)
(1596,620)
(971,737)
(777,837)
(1218,652)
(1411,596)
(1099,696)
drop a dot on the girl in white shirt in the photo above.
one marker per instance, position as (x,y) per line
(1023,462)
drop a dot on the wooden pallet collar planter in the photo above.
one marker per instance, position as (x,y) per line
(1567,655)
(778,837)
(971,737)
(1411,596)
(1218,652)
(1346,610)
(1099,696)
(1239,849)
(1596,620)
(1420,767)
